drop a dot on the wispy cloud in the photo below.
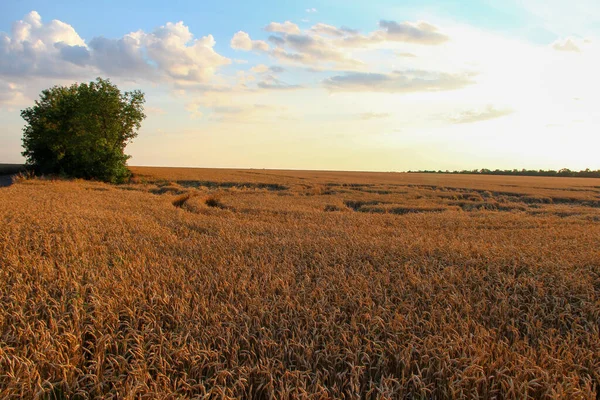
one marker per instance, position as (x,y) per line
(567,44)
(10,93)
(285,27)
(420,32)
(275,84)
(325,44)
(478,115)
(398,82)
(373,115)
(194,110)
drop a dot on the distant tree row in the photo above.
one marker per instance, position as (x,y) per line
(565,172)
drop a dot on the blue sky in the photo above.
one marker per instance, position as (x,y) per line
(115,18)
(369,85)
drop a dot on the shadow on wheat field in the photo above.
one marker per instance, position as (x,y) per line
(5,180)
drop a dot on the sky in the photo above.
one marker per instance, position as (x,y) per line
(376,85)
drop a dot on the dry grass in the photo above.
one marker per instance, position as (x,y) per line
(297,284)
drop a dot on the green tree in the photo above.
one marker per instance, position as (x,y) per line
(82,130)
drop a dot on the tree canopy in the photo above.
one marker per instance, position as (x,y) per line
(82,130)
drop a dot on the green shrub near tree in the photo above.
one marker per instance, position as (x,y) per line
(81,131)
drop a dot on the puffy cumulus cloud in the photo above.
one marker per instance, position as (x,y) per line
(478,115)
(567,44)
(78,55)
(170,52)
(31,30)
(174,50)
(119,57)
(35,48)
(242,41)
(398,82)
(285,27)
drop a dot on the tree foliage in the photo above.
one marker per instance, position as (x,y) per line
(82,130)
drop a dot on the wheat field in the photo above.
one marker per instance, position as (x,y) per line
(260,284)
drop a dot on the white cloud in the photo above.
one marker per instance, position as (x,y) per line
(119,57)
(398,82)
(286,27)
(567,44)
(420,32)
(150,110)
(194,109)
(260,68)
(54,49)
(311,10)
(325,29)
(369,73)
(272,83)
(31,29)
(373,115)
(332,47)
(313,50)
(35,48)
(244,78)
(268,78)
(218,108)
(478,115)
(242,41)
(173,48)
(11,94)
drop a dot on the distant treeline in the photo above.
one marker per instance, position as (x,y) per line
(565,172)
(9,169)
